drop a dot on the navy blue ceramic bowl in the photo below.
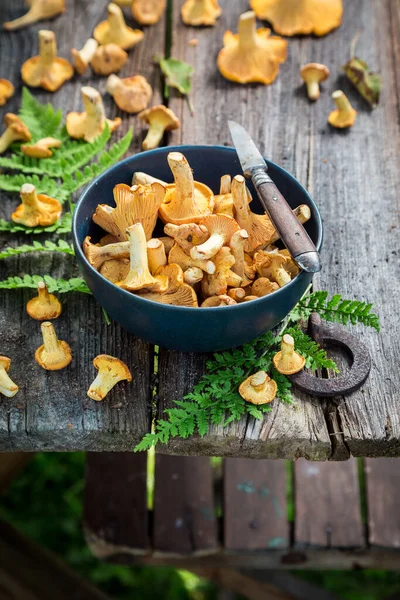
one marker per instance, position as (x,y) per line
(175,327)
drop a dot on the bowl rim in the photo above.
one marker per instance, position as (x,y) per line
(171,308)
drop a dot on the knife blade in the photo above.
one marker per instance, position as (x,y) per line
(291,231)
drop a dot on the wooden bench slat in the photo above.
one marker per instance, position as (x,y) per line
(51,410)
(115,515)
(383,487)
(29,572)
(328,510)
(184,520)
(255,511)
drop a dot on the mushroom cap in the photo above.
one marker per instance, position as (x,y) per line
(186,201)
(108,59)
(79,63)
(160,114)
(216,301)
(125,38)
(263,287)
(133,94)
(256,62)
(50,210)
(290,266)
(6,91)
(178,256)
(21,132)
(314,72)
(223,224)
(183,296)
(342,118)
(292,364)
(5,362)
(197,13)
(258,388)
(174,274)
(294,17)
(265,262)
(148,12)
(41,148)
(64,357)
(115,269)
(113,365)
(45,306)
(51,77)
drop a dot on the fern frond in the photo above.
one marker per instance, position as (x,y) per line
(315,356)
(41,120)
(106,160)
(61,286)
(44,185)
(63,225)
(61,246)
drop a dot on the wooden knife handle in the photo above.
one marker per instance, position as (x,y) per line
(291,231)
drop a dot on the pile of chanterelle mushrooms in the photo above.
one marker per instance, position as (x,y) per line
(215,251)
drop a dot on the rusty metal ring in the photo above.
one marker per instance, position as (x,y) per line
(333,334)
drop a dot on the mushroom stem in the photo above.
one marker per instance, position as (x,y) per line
(193,275)
(7,387)
(88,50)
(209,248)
(184,196)
(154,136)
(47,48)
(313,90)
(156,255)
(50,340)
(342,102)
(113,82)
(287,350)
(140,178)
(39,9)
(7,138)
(116,20)
(247,31)
(53,354)
(29,197)
(97,255)
(139,275)
(258,380)
(100,386)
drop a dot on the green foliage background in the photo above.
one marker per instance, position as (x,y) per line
(45,502)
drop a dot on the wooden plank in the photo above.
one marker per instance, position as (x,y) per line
(51,411)
(287,432)
(28,572)
(328,512)
(184,520)
(354,177)
(115,515)
(11,464)
(383,485)
(255,512)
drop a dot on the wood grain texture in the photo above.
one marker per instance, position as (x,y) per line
(115,518)
(184,520)
(383,484)
(255,505)
(52,411)
(28,572)
(327,501)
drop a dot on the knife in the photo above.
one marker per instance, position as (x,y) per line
(291,231)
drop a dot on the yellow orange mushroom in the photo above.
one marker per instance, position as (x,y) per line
(44,306)
(111,371)
(46,70)
(54,354)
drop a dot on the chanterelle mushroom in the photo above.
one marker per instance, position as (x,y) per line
(217,283)
(54,354)
(6,91)
(294,17)
(156,255)
(221,229)
(83,57)
(108,59)
(111,370)
(240,267)
(251,55)
(16,131)
(139,276)
(47,70)
(7,387)
(44,306)
(161,119)
(313,74)
(178,256)
(36,209)
(97,255)
(258,227)
(131,94)
(148,12)
(140,178)
(38,11)
(136,204)
(215,301)
(115,269)
(115,30)
(287,361)
(186,200)
(258,388)
(272,266)
(345,115)
(89,124)
(263,287)
(41,148)
(200,12)
(187,235)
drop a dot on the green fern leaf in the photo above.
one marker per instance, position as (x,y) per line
(61,286)
(41,120)
(63,225)
(48,246)
(44,185)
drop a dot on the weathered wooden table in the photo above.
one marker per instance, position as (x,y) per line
(352,175)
